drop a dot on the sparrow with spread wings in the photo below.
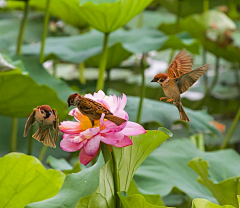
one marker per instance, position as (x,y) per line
(47,119)
(179,78)
(92,109)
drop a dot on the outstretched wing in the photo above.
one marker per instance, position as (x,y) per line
(56,125)
(187,80)
(181,64)
(31,120)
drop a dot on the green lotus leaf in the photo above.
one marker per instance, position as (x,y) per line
(24,180)
(203,203)
(225,191)
(109,15)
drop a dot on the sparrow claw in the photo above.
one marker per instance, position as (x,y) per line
(163,98)
(170,100)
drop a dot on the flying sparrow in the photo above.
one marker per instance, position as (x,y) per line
(92,109)
(47,119)
(179,78)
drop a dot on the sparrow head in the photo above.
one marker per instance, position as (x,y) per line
(72,99)
(45,110)
(160,78)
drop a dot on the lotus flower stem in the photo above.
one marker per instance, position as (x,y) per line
(205,5)
(22,27)
(14,135)
(143,88)
(81,73)
(216,75)
(45,30)
(30,140)
(231,130)
(205,77)
(42,153)
(103,63)
(116,181)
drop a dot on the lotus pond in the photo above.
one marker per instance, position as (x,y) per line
(109,51)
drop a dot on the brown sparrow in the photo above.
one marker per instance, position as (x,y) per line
(47,119)
(179,78)
(92,109)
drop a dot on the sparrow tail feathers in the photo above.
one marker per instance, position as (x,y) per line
(118,121)
(182,113)
(45,137)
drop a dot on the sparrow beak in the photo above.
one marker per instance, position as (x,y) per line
(154,80)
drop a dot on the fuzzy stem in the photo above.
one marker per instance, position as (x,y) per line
(205,77)
(14,135)
(22,27)
(143,89)
(108,80)
(45,30)
(81,73)
(55,68)
(30,140)
(205,5)
(231,130)
(103,63)
(116,181)
(140,20)
(216,75)
(42,153)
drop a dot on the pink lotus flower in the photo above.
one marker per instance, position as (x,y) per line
(81,135)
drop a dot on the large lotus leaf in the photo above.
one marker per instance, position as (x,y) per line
(104,195)
(75,186)
(79,48)
(135,200)
(194,26)
(167,115)
(152,199)
(42,77)
(167,167)
(68,11)
(23,180)
(9,29)
(188,7)
(225,191)
(203,203)
(17,89)
(128,159)
(109,15)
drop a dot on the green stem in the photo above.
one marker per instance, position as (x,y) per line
(216,75)
(14,135)
(22,27)
(205,5)
(81,73)
(116,181)
(140,20)
(45,30)
(55,68)
(231,130)
(30,140)
(143,89)
(103,63)
(205,77)
(42,153)
(107,86)
(179,7)
(171,56)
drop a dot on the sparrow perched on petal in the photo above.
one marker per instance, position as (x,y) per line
(47,119)
(179,78)
(92,109)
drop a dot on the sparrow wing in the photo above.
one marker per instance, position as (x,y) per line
(187,80)
(56,125)
(87,105)
(181,64)
(30,121)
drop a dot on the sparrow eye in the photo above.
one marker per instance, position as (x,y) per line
(42,112)
(161,80)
